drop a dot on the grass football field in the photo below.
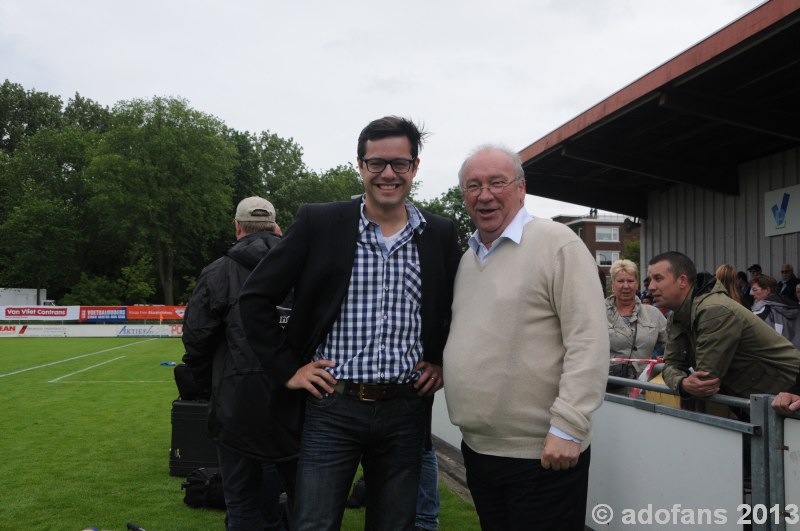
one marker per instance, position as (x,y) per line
(85,437)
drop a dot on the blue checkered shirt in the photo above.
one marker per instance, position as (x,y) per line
(376,337)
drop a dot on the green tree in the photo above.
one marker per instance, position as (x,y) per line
(281,160)
(37,250)
(337,184)
(632,252)
(23,112)
(451,204)
(46,197)
(163,174)
(137,281)
(93,291)
(87,114)
(248,176)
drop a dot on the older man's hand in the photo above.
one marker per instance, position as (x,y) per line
(559,454)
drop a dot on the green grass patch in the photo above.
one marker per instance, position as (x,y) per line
(85,434)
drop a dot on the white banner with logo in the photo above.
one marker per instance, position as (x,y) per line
(40,313)
(85,330)
(782,211)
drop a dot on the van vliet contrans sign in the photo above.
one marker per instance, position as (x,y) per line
(782,211)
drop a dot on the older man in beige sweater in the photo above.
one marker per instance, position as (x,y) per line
(526,360)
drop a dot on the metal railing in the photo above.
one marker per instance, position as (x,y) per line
(762,428)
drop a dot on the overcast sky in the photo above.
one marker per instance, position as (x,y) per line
(317,71)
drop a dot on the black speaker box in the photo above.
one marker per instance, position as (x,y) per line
(191,448)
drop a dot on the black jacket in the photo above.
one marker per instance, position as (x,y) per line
(246,410)
(316,260)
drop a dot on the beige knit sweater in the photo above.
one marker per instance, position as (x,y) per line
(528,345)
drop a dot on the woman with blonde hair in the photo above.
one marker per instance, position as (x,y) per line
(634,329)
(726,274)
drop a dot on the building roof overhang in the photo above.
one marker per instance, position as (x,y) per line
(731,98)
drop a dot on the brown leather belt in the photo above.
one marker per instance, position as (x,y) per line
(367,392)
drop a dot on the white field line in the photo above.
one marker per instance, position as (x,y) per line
(75,358)
(84,370)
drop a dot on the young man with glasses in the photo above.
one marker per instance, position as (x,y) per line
(527,355)
(372,282)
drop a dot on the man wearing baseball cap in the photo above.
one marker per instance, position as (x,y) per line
(252,447)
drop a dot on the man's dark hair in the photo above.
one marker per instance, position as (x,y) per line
(389,126)
(679,264)
(741,275)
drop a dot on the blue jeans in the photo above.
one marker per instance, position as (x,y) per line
(252,489)
(428,496)
(339,431)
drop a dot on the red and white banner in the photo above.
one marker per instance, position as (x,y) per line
(92,313)
(39,313)
(166,313)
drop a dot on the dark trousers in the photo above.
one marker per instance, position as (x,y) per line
(339,431)
(518,494)
(252,489)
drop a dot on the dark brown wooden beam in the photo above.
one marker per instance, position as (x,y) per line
(726,182)
(732,112)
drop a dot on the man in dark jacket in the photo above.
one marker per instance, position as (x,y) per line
(372,280)
(788,283)
(243,405)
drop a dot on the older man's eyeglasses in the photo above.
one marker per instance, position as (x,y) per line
(495,187)
(398,165)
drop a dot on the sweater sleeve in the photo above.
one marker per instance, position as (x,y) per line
(579,303)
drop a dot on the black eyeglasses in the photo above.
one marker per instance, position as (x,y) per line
(495,187)
(398,165)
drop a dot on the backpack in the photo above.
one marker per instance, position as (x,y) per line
(203,488)
(188,389)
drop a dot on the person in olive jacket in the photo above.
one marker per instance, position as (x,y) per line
(715,344)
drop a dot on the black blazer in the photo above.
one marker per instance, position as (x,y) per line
(316,257)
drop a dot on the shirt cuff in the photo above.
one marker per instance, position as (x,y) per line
(560,434)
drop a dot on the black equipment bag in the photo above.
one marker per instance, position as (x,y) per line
(203,488)
(190,448)
(188,389)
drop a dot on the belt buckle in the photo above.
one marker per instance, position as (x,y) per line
(361,396)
